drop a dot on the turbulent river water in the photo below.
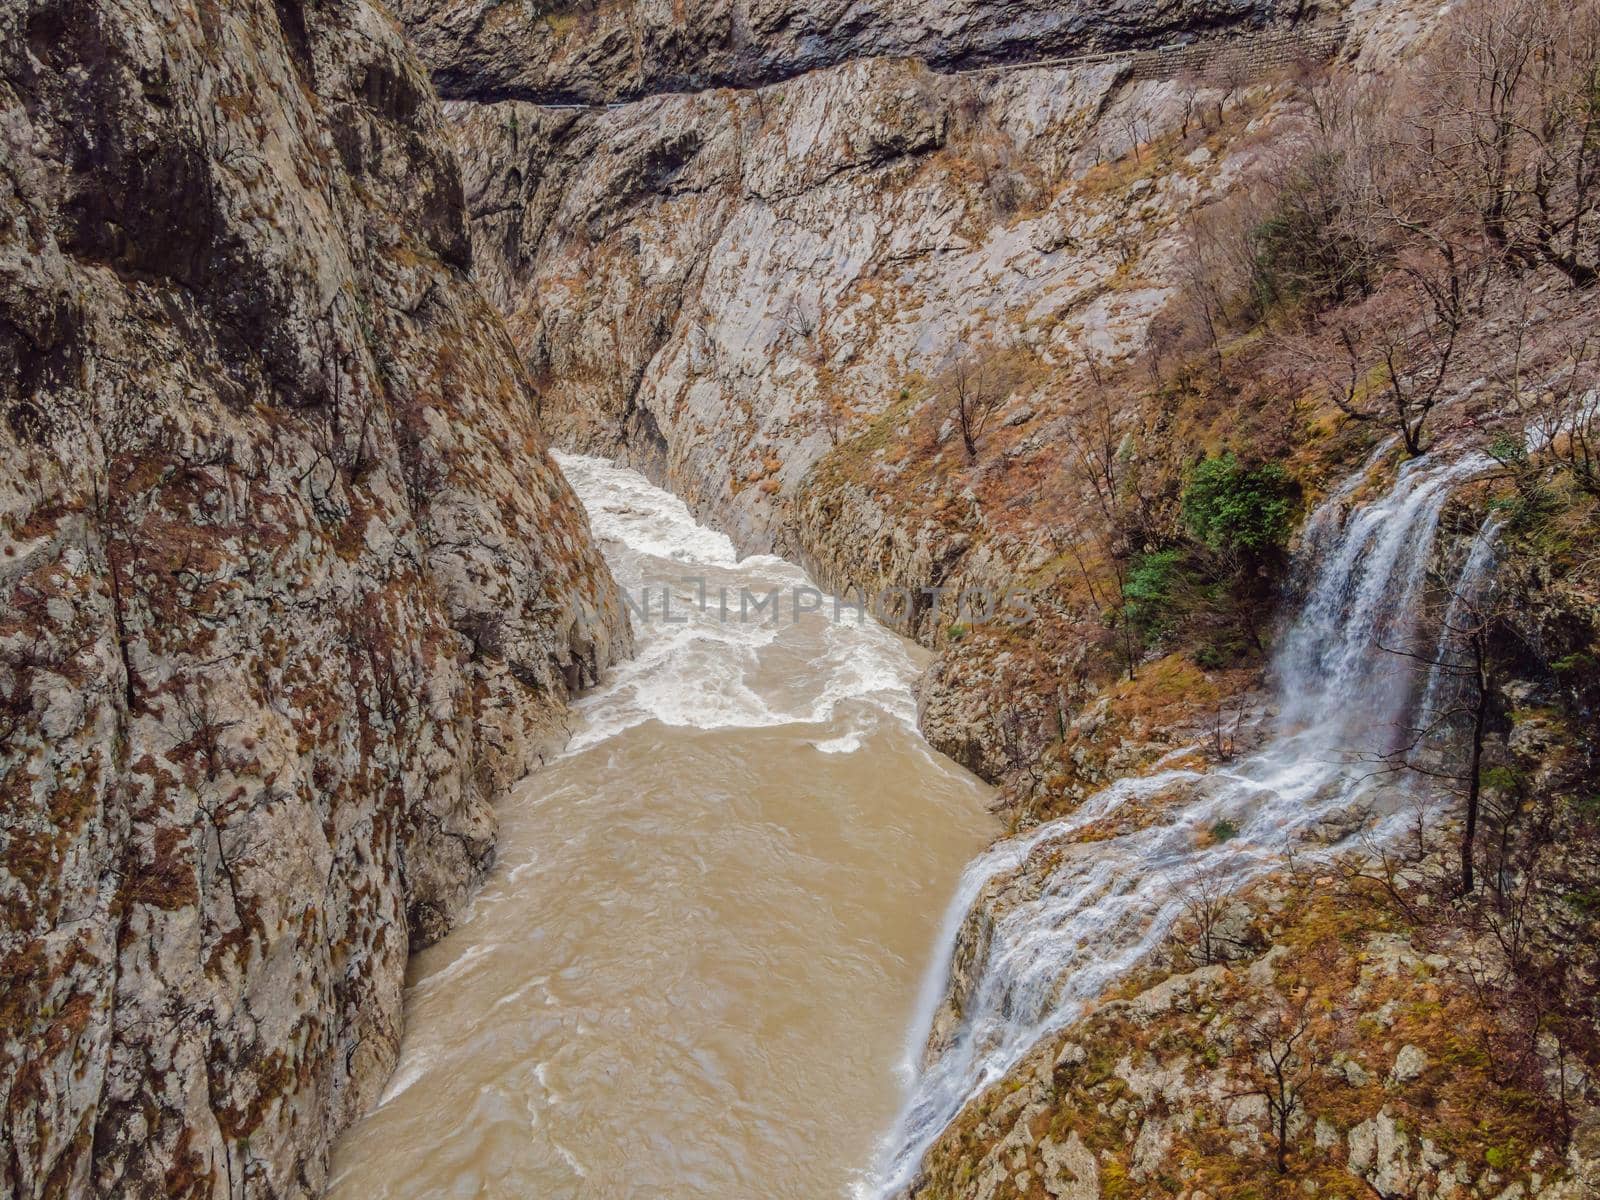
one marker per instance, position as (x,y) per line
(694,967)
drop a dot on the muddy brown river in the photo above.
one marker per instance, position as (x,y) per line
(695,967)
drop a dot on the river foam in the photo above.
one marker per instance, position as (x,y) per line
(708,661)
(691,972)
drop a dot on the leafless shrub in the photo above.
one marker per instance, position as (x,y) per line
(202,724)
(1207,899)
(980,378)
(1096,461)
(1225,732)
(1280,1057)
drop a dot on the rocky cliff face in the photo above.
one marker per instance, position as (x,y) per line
(719,286)
(291,587)
(601,50)
(757,296)
(768,274)
(714,285)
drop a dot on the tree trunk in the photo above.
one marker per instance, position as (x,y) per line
(1480,717)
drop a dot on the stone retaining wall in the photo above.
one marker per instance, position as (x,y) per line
(1239,58)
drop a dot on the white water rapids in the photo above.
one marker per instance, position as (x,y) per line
(1341,699)
(691,971)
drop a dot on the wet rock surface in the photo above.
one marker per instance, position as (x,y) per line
(1173,1086)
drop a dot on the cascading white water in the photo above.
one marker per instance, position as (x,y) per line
(1331,672)
(1105,905)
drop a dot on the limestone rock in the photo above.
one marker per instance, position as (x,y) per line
(1070,1172)
(1409,1065)
(1380,1153)
(291,587)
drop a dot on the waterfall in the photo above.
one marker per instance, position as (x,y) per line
(1364,597)
(1105,904)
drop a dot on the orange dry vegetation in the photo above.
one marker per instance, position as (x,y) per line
(1349,968)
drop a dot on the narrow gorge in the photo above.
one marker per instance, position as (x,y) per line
(693,972)
(907,601)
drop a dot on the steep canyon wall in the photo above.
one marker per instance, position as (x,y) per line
(292,591)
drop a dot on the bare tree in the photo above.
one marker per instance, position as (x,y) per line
(1096,445)
(1279,1065)
(976,392)
(1187,84)
(1509,125)
(1096,461)
(201,724)
(1390,365)
(1451,727)
(1559,416)
(1428,191)
(837,415)
(1209,279)
(1205,898)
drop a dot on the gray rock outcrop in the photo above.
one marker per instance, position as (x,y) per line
(291,587)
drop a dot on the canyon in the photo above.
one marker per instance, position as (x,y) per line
(692,971)
(1162,314)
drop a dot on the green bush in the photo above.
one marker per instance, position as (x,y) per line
(1502,779)
(1512,452)
(1588,806)
(1580,662)
(1223,648)
(1233,508)
(1150,591)
(1211,585)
